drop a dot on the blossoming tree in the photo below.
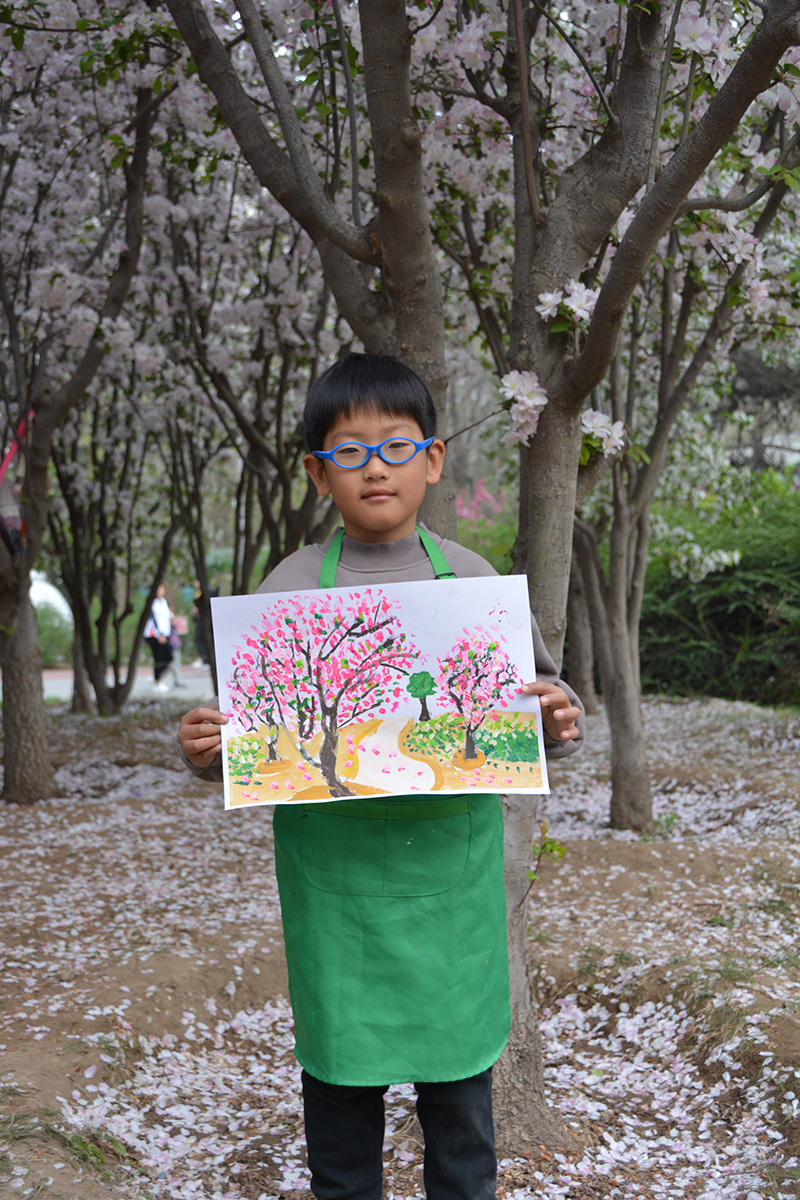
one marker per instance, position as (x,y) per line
(474,676)
(69,252)
(317,666)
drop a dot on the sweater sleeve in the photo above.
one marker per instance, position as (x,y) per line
(465,563)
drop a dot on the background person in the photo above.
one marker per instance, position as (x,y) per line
(157,634)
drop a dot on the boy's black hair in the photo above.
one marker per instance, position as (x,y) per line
(366,381)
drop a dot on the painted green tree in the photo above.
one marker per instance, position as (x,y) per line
(420,686)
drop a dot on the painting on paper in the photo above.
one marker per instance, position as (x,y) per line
(390,690)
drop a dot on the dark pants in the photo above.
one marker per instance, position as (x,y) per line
(344,1134)
(162,656)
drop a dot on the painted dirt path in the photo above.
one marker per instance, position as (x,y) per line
(145,1036)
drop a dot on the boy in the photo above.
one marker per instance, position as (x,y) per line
(393,910)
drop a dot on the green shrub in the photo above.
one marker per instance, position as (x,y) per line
(55,636)
(736,632)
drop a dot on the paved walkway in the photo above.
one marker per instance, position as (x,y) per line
(197,685)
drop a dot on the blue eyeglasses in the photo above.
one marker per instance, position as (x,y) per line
(394,451)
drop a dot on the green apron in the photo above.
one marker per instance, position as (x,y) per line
(394,919)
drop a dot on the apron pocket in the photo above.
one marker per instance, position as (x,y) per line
(373,856)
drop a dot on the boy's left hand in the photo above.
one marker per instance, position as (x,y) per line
(559,714)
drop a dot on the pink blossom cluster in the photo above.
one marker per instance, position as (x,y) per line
(610,433)
(477,675)
(321,663)
(481,502)
(576,300)
(528,399)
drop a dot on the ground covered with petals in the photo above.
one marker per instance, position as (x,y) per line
(146,1039)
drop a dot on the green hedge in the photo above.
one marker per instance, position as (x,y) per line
(736,632)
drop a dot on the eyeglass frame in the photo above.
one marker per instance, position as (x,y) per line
(328,455)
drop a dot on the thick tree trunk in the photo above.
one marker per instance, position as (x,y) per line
(401,229)
(580,648)
(28,772)
(544,545)
(522,1116)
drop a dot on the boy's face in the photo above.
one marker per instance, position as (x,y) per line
(379,501)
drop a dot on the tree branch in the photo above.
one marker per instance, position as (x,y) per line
(581,57)
(364,310)
(751,75)
(351,240)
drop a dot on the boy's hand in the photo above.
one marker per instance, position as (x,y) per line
(558,713)
(199,735)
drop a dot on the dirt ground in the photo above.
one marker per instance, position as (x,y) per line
(137,915)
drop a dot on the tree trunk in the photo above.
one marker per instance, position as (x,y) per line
(29,773)
(544,545)
(631,793)
(522,1116)
(81,685)
(327,763)
(580,649)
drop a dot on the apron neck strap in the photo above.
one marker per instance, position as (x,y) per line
(441,567)
(327,573)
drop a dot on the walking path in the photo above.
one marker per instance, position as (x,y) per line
(196,685)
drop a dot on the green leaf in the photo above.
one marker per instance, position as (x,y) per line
(82,24)
(562,325)
(18,38)
(86,62)
(323,110)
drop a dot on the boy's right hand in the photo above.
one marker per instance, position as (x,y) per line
(199,735)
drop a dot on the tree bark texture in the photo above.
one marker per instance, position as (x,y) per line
(631,791)
(544,542)
(522,1116)
(580,647)
(401,228)
(81,684)
(28,772)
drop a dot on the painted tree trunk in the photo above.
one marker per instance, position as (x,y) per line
(29,773)
(424,711)
(327,762)
(470,750)
(522,1116)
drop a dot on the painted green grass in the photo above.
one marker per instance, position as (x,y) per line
(500,738)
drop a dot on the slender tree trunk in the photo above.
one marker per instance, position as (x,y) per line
(580,650)
(81,685)
(522,1116)
(28,773)
(609,610)
(631,793)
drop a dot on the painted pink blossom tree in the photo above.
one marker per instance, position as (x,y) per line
(476,675)
(317,665)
